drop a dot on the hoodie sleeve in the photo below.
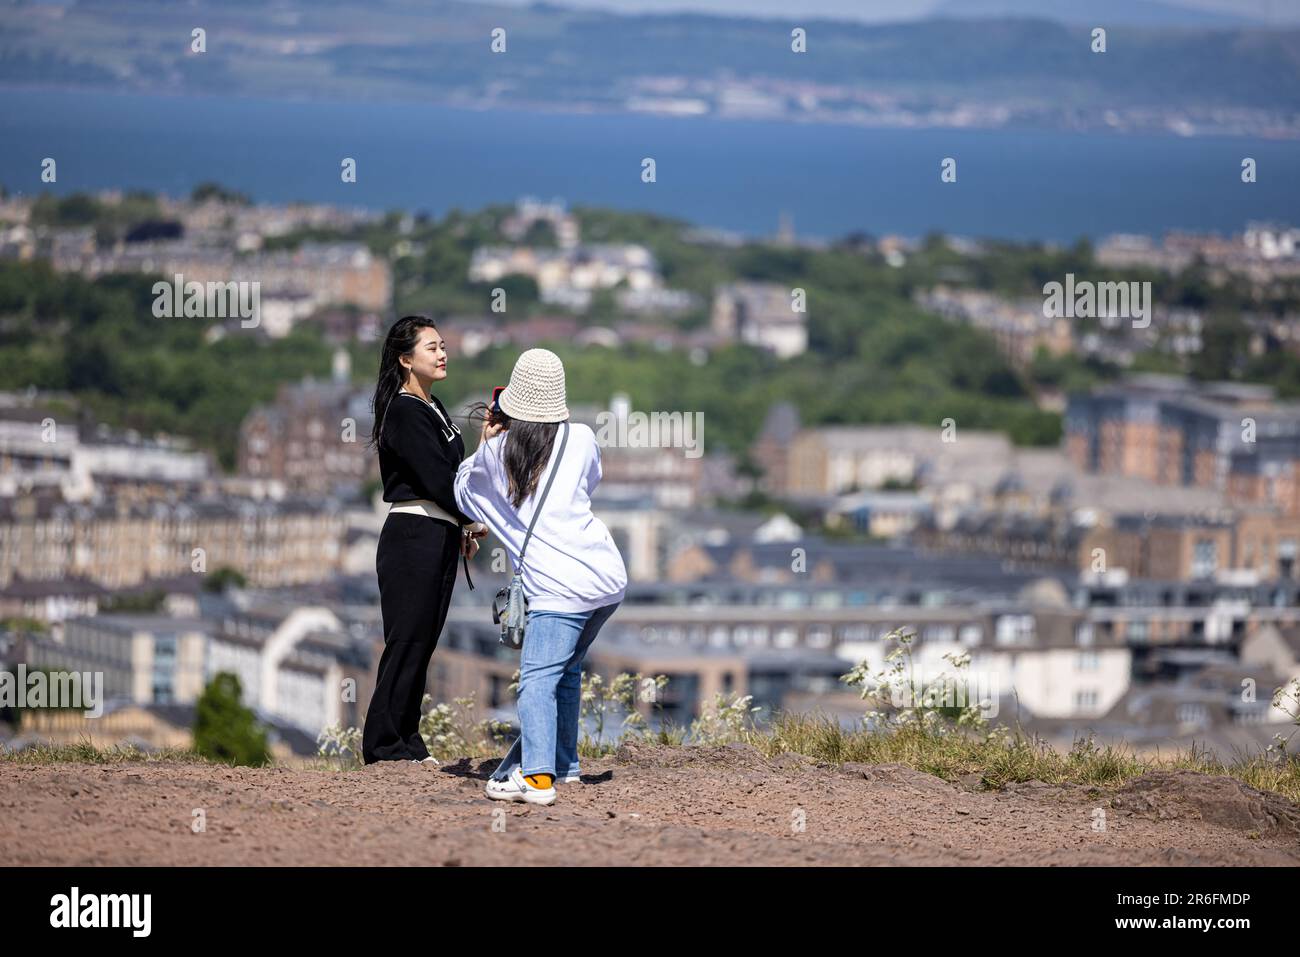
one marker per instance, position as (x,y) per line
(413,434)
(594,470)
(474,483)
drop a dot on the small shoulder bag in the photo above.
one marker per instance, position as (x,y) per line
(510,607)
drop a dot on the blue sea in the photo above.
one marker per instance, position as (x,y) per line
(728,174)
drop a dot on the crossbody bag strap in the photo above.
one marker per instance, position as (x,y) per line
(465,561)
(541,501)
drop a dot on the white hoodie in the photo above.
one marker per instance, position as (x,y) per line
(572,563)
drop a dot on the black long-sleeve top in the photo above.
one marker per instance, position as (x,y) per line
(420,449)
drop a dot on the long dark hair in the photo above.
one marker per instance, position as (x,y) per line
(400,341)
(527,449)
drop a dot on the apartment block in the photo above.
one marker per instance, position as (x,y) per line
(760,314)
(123,544)
(1225,436)
(314,438)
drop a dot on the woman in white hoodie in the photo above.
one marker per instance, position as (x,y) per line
(573,574)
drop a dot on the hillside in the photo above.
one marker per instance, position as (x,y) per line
(1022,71)
(1099,12)
(644,806)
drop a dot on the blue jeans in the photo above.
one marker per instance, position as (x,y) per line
(550,691)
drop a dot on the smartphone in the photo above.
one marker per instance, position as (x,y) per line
(494,406)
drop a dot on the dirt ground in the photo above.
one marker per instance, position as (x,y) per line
(645,806)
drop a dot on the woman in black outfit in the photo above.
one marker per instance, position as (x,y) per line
(423,536)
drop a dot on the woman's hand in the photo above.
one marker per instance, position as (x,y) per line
(468,546)
(490,429)
(476,529)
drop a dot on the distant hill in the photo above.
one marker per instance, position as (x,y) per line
(1150,12)
(1104,13)
(1030,70)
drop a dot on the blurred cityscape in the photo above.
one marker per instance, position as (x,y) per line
(1127,571)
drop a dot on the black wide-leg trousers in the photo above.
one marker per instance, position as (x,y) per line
(416,562)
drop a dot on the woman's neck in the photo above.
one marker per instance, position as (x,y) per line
(414,387)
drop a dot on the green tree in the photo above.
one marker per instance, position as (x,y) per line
(1224,344)
(224,729)
(210,190)
(223,578)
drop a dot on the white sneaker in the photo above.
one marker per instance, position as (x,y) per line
(429,760)
(516,788)
(570,779)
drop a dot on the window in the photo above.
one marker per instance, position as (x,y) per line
(1086,661)
(818,636)
(1205,558)
(1015,629)
(164,668)
(1085,701)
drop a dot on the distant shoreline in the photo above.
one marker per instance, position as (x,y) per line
(543,107)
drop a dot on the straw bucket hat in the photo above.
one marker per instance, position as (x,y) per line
(536,389)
